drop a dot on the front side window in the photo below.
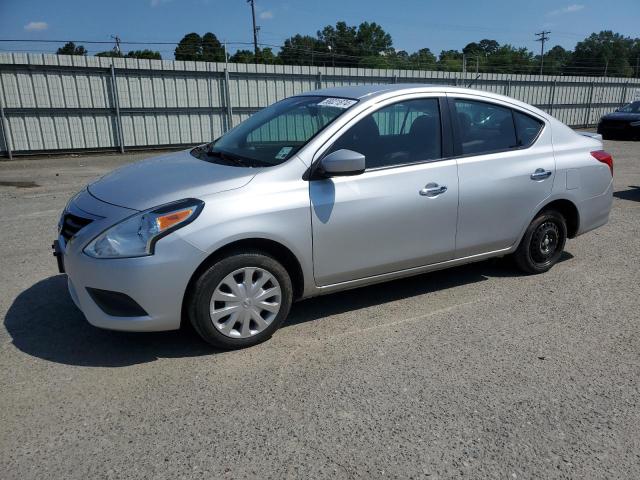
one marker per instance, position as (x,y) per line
(274,134)
(402,133)
(484,127)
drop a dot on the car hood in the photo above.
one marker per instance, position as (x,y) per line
(159,180)
(622,116)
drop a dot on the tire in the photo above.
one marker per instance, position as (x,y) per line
(542,244)
(235,319)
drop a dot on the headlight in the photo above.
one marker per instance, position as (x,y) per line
(136,236)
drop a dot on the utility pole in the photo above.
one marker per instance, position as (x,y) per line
(116,47)
(543,37)
(255,29)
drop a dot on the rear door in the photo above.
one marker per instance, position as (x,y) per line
(401,212)
(506,168)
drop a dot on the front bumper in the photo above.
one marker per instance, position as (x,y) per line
(157,282)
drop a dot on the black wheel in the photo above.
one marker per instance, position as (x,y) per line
(542,244)
(240,300)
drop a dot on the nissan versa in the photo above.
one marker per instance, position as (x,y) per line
(325,191)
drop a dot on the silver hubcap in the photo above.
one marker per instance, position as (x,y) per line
(245,302)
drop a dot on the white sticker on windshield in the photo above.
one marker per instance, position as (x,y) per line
(337,102)
(282,154)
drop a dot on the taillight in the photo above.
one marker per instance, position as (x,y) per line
(604,157)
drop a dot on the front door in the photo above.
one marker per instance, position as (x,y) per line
(401,212)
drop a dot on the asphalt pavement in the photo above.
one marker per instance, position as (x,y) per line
(475,372)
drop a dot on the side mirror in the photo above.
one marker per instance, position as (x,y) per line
(342,163)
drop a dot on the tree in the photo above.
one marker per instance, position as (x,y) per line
(303,50)
(555,61)
(200,49)
(423,59)
(488,47)
(603,53)
(509,59)
(109,53)
(212,49)
(70,48)
(189,48)
(371,39)
(634,58)
(348,45)
(450,61)
(242,56)
(341,42)
(267,57)
(146,53)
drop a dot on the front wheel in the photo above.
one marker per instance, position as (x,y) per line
(240,300)
(542,244)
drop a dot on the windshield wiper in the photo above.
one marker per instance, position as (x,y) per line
(238,159)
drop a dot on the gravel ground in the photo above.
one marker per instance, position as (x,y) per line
(475,371)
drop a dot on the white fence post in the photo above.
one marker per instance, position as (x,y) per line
(116,104)
(6,132)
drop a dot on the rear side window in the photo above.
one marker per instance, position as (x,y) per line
(527,128)
(484,127)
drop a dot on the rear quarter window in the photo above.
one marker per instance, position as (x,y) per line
(527,128)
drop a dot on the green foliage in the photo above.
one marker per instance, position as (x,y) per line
(555,60)
(450,61)
(202,49)
(423,59)
(303,50)
(70,48)
(604,52)
(265,56)
(109,53)
(146,53)
(369,45)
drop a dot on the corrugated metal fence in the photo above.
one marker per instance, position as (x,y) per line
(52,103)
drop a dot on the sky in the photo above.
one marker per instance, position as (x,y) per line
(413,24)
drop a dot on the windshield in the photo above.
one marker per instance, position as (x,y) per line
(274,134)
(631,108)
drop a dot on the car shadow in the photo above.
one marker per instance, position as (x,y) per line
(363,297)
(632,194)
(43,321)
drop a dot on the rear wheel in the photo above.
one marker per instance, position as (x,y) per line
(543,243)
(240,300)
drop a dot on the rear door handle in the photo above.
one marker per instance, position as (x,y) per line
(540,174)
(432,190)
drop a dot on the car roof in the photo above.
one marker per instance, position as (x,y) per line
(369,92)
(358,92)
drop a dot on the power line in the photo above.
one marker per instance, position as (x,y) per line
(543,38)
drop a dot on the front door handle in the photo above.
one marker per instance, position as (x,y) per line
(540,174)
(432,190)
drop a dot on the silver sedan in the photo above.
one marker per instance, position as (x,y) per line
(325,191)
